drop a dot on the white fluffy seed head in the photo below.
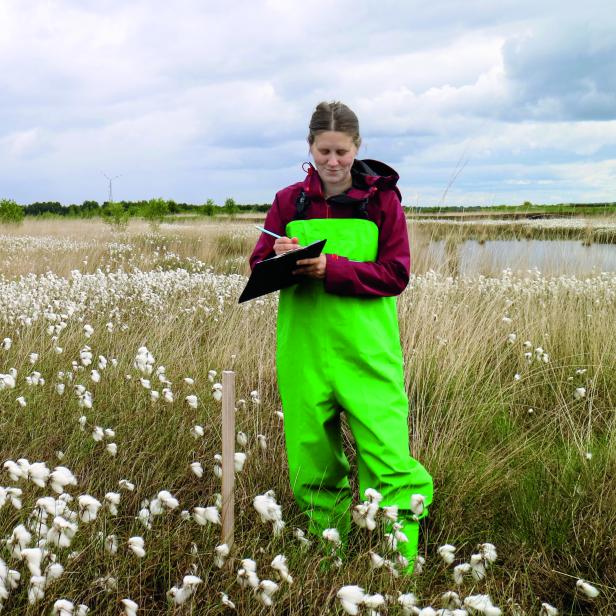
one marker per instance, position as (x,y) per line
(459,572)
(220,555)
(332,535)
(88,508)
(126,485)
(373,496)
(483,604)
(447,553)
(242,439)
(417,503)
(488,552)
(451,600)
(168,500)
(60,478)
(111,449)
(350,598)
(130,607)
(203,515)
(374,601)
(407,601)
(136,546)
(579,393)
(192,401)
(391,513)
(63,607)
(197,468)
(197,431)
(239,459)
(588,589)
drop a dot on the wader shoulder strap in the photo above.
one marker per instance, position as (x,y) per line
(301,205)
(302,202)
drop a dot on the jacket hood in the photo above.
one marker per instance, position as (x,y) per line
(374,173)
(368,176)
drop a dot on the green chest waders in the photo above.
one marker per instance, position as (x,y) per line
(343,353)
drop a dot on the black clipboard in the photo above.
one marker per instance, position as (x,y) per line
(276,272)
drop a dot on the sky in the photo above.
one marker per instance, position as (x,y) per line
(473,103)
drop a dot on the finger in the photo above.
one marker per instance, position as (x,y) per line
(286,247)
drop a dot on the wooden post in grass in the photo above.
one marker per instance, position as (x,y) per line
(228,453)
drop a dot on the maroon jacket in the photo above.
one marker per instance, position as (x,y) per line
(373,196)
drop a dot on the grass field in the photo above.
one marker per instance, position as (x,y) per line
(512,388)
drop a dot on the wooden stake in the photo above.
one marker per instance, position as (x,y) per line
(228,453)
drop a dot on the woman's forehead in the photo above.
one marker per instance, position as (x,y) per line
(333,139)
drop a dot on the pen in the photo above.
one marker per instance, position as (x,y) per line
(268,232)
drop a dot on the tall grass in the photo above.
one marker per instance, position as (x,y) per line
(521,480)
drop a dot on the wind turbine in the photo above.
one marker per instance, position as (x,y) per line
(115,177)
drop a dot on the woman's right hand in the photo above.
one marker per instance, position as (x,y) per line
(285,244)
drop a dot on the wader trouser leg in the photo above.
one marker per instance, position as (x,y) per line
(318,468)
(377,413)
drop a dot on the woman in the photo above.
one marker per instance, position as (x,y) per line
(338,343)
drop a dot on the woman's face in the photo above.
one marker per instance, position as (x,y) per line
(333,153)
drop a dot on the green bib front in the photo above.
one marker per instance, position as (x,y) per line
(316,326)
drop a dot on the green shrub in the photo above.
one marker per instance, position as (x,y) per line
(230,207)
(11,212)
(154,211)
(115,215)
(208,208)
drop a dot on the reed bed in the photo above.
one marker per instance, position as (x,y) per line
(596,230)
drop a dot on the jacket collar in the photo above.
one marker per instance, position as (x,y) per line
(368,176)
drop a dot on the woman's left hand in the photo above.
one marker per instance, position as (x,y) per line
(314,268)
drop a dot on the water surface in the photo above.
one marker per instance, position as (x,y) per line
(551,257)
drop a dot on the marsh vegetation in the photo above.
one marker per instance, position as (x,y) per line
(511,377)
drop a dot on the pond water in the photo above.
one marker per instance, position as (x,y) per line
(551,257)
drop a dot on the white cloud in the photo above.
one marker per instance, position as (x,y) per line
(199,98)
(507,140)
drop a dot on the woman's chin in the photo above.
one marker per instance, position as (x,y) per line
(336,177)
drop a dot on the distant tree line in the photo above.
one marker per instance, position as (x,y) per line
(154,210)
(149,208)
(118,213)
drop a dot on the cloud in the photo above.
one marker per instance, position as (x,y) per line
(197,99)
(564,71)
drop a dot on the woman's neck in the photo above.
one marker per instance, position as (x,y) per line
(329,190)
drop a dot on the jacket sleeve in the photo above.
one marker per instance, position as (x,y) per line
(265,244)
(386,276)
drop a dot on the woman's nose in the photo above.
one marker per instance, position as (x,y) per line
(332,161)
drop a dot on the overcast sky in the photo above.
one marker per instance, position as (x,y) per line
(476,102)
